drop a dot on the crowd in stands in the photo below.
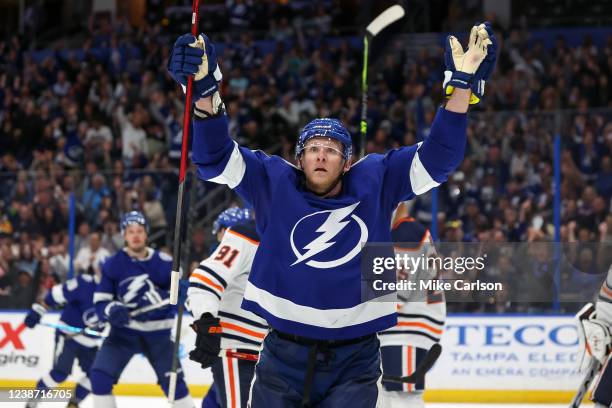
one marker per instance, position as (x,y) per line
(104,123)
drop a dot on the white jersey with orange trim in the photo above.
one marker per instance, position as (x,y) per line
(217,286)
(420,315)
(604,300)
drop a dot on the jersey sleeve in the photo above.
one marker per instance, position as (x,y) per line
(220,160)
(209,281)
(63,293)
(604,301)
(414,170)
(105,291)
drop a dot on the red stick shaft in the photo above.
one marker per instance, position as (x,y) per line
(195,16)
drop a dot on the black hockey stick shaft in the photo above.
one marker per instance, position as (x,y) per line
(586,383)
(363,126)
(430,359)
(176,252)
(382,21)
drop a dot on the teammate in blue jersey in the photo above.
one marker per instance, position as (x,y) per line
(76,298)
(313,219)
(135,278)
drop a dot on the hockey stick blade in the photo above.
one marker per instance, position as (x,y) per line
(430,359)
(72,329)
(384,19)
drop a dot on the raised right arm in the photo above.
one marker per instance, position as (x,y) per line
(219,159)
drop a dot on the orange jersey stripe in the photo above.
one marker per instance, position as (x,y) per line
(401,220)
(239,235)
(606,291)
(409,352)
(240,329)
(232,383)
(207,281)
(421,325)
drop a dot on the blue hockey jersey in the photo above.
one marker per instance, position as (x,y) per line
(75,296)
(137,283)
(306,277)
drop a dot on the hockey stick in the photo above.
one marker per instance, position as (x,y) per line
(430,358)
(146,309)
(384,19)
(176,253)
(73,329)
(86,330)
(586,383)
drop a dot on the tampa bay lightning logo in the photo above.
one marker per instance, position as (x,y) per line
(138,291)
(91,320)
(333,228)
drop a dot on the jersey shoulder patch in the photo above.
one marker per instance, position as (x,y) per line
(246,231)
(86,277)
(164,256)
(408,232)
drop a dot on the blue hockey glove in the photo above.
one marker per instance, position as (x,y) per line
(118,315)
(191,56)
(461,66)
(208,340)
(486,68)
(34,315)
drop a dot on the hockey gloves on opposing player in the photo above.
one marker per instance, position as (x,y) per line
(195,56)
(208,340)
(469,70)
(118,315)
(34,315)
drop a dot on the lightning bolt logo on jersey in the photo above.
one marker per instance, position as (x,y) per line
(139,291)
(91,319)
(340,228)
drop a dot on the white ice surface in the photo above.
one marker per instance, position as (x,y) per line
(156,402)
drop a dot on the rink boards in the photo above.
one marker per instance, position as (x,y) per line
(486,358)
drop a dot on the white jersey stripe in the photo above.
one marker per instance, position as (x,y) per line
(327,318)
(234,170)
(57,292)
(152,325)
(102,297)
(420,180)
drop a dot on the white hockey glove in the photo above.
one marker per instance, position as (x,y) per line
(462,67)
(594,336)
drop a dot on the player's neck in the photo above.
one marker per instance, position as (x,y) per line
(140,254)
(331,191)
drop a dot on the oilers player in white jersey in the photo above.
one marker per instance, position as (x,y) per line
(597,338)
(134,278)
(75,297)
(313,219)
(420,316)
(216,288)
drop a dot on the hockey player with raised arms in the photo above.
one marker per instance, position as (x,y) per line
(75,298)
(216,288)
(322,349)
(134,278)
